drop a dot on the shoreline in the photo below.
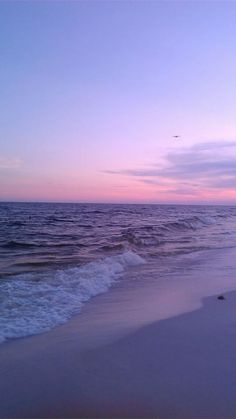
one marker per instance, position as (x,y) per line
(181,367)
(152,347)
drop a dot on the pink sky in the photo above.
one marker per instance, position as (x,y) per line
(91,103)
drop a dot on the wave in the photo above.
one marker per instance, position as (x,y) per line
(156,235)
(96,212)
(16,244)
(16,224)
(192,223)
(35,303)
(133,238)
(60,220)
(111,247)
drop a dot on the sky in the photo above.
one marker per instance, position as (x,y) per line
(92,93)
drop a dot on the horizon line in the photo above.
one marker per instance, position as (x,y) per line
(116,203)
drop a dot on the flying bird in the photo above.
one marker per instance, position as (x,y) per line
(176,136)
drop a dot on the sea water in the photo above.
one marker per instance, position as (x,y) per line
(55,257)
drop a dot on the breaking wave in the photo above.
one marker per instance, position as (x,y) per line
(35,303)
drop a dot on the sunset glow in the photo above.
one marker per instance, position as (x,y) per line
(94,92)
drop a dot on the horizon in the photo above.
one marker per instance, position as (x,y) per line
(92,105)
(122,203)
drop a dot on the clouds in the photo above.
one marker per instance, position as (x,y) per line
(10,163)
(191,171)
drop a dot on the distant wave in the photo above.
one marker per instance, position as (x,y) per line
(118,246)
(95,212)
(158,234)
(192,223)
(134,238)
(14,244)
(16,224)
(33,303)
(60,220)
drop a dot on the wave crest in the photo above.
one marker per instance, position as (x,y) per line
(36,303)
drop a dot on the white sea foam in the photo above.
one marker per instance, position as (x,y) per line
(32,304)
(208,220)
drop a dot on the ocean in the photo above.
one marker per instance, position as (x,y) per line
(56,257)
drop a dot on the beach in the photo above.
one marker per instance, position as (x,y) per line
(166,361)
(118,209)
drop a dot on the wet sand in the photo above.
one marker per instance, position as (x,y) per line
(183,367)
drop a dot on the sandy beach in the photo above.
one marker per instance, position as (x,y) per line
(179,367)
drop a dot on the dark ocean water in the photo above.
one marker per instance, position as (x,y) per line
(55,257)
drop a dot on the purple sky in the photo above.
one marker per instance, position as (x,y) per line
(93,92)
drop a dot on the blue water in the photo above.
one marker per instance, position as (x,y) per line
(55,257)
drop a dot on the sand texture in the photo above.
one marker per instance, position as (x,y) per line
(183,367)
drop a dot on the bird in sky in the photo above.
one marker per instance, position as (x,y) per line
(176,136)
